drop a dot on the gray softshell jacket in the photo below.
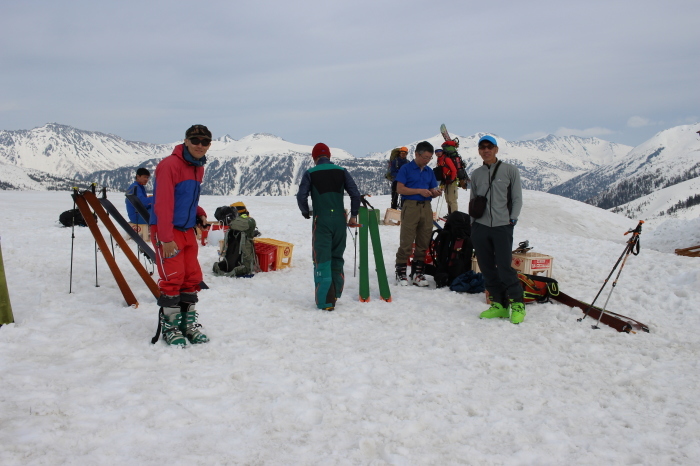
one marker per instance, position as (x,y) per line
(504,199)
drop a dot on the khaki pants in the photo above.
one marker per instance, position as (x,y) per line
(451,195)
(416,227)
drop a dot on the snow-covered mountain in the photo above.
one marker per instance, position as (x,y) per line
(681,200)
(604,173)
(667,159)
(27,179)
(68,152)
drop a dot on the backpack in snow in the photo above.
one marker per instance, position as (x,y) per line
(72,217)
(451,249)
(237,257)
(225,214)
(392,157)
(536,288)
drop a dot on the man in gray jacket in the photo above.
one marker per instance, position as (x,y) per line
(492,233)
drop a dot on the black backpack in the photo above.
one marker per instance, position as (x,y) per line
(225,214)
(451,249)
(72,217)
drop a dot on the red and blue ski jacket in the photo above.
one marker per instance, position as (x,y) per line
(176,194)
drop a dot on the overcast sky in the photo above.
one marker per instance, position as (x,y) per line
(362,75)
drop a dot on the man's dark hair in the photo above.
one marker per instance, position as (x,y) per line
(424,146)
(143,171)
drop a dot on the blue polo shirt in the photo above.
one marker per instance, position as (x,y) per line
(413,177)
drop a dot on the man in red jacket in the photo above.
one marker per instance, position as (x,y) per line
(175,214)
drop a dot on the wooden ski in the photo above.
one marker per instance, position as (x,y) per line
(82,205)
(114,231)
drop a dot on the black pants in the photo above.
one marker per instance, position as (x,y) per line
(493,247)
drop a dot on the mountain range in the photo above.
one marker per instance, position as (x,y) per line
(599,172)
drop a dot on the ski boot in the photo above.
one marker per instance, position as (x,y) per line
(189,325)
(517,311)
(417,274)
(401,278)
(495,311)
(171,321)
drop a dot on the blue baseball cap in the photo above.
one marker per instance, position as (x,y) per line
(490,139)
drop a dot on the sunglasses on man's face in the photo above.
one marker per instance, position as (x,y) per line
(200,141)
(486,146)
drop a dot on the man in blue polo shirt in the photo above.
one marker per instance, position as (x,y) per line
(418,186)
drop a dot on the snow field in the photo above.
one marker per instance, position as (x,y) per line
(420,380)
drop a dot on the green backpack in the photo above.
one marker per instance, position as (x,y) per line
(237,258)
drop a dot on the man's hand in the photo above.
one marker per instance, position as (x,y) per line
(513,221)
(202,222)
(352,223)
(435,192)
(169,249)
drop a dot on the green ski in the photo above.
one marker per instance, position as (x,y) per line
(6,316)
(369,222)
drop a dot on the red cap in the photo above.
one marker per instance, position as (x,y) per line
(320,150)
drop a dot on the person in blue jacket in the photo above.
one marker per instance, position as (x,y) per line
(138,187)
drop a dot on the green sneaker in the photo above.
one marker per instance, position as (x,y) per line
(496,310)
(190,327)
(170,322)
(517,312)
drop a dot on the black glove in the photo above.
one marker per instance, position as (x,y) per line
(306,215)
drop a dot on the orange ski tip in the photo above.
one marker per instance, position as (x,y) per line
(388,300)
(363,300)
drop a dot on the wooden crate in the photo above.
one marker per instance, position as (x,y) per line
(284,252)
(392,217)
(533,263)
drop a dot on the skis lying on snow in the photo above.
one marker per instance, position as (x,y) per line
(617,321)
(369,223)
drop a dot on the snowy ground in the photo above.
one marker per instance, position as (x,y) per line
(417,381)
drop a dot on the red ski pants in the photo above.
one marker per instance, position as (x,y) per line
(180,273)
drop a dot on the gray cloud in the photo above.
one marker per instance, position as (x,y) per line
(361,75)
